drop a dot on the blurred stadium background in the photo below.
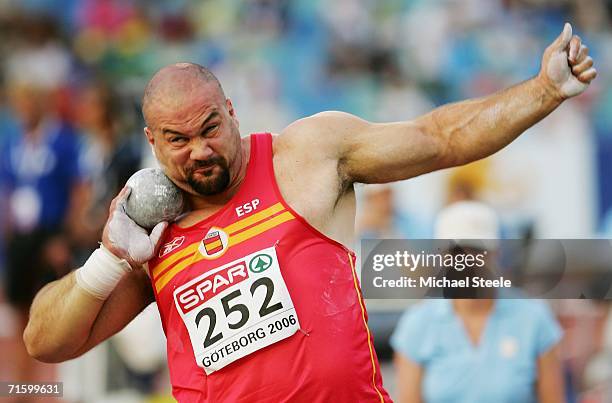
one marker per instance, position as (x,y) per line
(85,63)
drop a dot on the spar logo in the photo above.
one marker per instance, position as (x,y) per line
(260,263)
(214,244)
(172,245)
(208,285)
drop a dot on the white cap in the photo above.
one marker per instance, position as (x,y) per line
(468,220)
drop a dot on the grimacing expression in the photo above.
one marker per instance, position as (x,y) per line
(202,178)
(197,149)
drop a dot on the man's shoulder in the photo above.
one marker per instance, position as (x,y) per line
(322,122)
(320,131)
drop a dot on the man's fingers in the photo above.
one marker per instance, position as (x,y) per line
(120,199)
(574,47)
(582,66)
(125,192)
(583,52)
(563,40)
(588,75)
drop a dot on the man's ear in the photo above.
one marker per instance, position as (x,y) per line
(151,140)
(232,111)
(149,135)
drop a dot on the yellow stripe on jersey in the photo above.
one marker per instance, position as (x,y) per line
(167,276)
(169,261)
(250,220)
(230,229)
(233,240)
(260,228)
(365,324)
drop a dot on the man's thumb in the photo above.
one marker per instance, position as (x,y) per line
(563,40)
(157,233)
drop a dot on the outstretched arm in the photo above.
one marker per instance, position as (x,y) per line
(453,134)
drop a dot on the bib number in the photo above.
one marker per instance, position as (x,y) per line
(236,309)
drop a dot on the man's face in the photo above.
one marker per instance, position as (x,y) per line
(196,140)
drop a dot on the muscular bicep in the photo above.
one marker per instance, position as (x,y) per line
(128,299)
(385,152)
(371,152)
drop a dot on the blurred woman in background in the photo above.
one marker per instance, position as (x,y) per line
(477,350)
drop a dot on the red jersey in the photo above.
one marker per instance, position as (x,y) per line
(258,306)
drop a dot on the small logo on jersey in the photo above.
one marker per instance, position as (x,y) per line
(172,245)
(214,243)
(260,263)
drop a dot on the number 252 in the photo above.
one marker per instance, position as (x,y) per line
(264,310)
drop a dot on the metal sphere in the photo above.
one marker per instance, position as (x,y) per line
(154,198)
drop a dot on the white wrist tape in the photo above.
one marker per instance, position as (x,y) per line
(101,273)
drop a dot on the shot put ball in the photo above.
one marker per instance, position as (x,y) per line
(154,198)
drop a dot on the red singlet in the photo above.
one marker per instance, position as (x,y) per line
(258,306)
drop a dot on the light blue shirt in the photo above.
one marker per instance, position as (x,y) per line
(501,368)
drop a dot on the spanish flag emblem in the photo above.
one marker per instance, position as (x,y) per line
(214,244)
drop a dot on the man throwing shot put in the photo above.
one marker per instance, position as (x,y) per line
(258,295)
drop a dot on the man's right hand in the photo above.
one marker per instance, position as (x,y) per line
(126,239)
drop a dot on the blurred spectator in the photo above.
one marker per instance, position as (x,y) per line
(380,217)
(37,55)
(585,346)
(477,350)
(598,372)
(110,156)
(41,181)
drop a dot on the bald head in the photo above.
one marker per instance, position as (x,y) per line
(176,84)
